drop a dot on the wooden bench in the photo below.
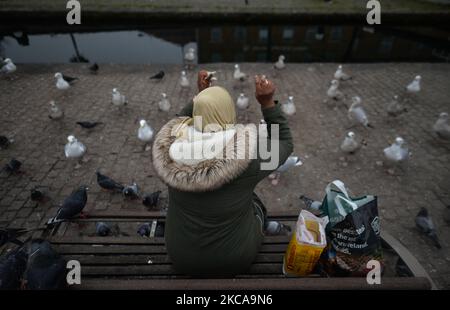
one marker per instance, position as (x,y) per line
(134,262)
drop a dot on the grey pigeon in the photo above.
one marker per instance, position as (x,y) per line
(131,191)
(46,269)
(158,76)
(312,205)
(102,229)
(11,235)
(72,206)
(5,142)
(108,183)
(36,194)
(155,229)
(425,224)
(12,267)
(94,68)
(151,200)
(13,166)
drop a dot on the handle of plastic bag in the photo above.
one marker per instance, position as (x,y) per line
(339,185)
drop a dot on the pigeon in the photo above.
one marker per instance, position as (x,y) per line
(189,56)
(94,68)
(238,75)
(145,133)
(46,269)
(108,183)
(5,142)
(55,112)
(349,145)
(275,228)
(74,148)
(288,107)
(414,86)
(242,102)
(442,127)
(151,200)
(394,108)
(131,191)
(425,224)
(333,92)
(291,161)
(340,75)
(102,229)
(164,103)
(12,267)
(280,63)
(155,229)
(158,76)
(118,99)
(312,205)
(8,66)
(397,153)
(13,166)
(357,114)
(72,206)
(89,125)
(11,234)
(37,195)
(184,82)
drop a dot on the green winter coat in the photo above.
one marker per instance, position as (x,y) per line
(212,226)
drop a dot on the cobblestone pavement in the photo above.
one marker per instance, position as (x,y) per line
(318,129)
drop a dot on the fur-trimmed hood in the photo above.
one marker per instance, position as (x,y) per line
(207,175)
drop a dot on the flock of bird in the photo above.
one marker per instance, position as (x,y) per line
(23,259)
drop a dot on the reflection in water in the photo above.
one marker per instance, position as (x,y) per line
(233,43)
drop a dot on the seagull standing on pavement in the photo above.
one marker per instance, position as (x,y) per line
(414,86)
(238,75)
(397,152)
(242,102)
(442,126)
(288,107)
(357,114)
(164,103)
(63,82)
(145,134)
(118,99)
(340,75)
(349,145)
(8,66)
(280,63)
(394,108)
(184,82)
(74,149)
(55,112)
(333,92)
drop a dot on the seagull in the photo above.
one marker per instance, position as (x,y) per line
(238,75)
(288,107)
(242,102)
(312,205)
(13,166)
(94,68)
(74,148)
(349,145)
(108,183)
(164,103)
(189,56)
(118,99)
(131,191)
(442,127)
(340,75)
(55,112)
(145,133)
(89,125)
(5,142)
(158,76)
(357,114)
(291,161)
(184,82)
(8,66)
(151,200)
(63,82)
(280,63)
(394,108)
(397,153)
(72,206)
(46,269)
(425,224)
(414,86)
(333,92)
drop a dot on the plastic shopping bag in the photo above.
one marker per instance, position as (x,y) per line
(306,245)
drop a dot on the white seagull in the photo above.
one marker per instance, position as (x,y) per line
(333,92)
(184,82)
(238,74)
(288,107)
(74,149)
(164,103)
(242,102)
(414,86)
(394,108)
(349,145)
(61,83)
(340,75)
(189,56)
(357,114)
(8,67)
(55,111)
(280,63)
(442,126)
(145,133)
(118,99)
(396,153)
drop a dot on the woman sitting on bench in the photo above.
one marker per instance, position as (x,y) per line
(215,223)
